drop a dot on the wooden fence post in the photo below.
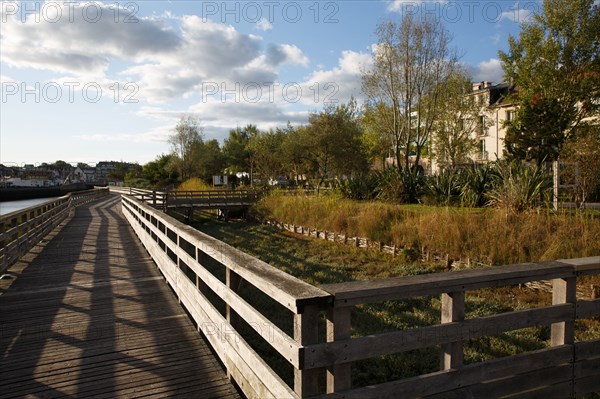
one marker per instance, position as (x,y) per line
(339,377)
(306,332)
(453,309)
(563,291)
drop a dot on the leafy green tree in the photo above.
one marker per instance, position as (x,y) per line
(538,131)
(159,170)
(209,161)
(236,148)
(294,152)
(452,137)
(266,154)
(555,67)
(377,137)
(184,144)
(333,143)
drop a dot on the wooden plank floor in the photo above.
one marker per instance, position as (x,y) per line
(88,314)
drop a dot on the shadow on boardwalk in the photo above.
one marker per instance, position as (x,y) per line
(88,314)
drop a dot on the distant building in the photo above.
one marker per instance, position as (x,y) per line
(496,109)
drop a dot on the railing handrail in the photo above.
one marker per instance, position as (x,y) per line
(181,251)
(341,349)
(22,229)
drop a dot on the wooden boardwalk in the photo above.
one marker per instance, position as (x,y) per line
(88,314)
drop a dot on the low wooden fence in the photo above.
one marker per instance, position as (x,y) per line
(182,254)
(21,230)
(212,198)
(565,368)
(156,199)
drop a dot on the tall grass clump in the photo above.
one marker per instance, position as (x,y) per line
(476,183)
(406,186)
(518,187)
(194,184)
(444,188)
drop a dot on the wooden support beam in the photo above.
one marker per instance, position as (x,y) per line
(339,377)
(306,332)
(564,291)
(453,309)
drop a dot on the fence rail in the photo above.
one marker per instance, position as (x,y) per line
(564,369)
(212,198)
(22,229)
(182,254)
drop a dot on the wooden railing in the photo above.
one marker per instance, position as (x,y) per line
(183,255)
(21,230)
(212,198)
(156,199)
(564,369)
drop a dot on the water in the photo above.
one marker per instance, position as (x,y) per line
(11,206)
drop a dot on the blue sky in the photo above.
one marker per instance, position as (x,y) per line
(92,81)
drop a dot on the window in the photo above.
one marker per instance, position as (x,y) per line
(510,115)
(482,127)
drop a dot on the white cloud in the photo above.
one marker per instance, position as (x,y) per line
(164,64)
(410,5)
(74,44)
(264,25)
(158,134)
(339,83)
(490,70)
(286,53)
(521,15)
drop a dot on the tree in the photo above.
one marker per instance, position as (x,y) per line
(411,60)
(184,143)
(209,160)
(537,132)
(584,151)
(236,150)
(333,143)
(452,141)
(159,170)
(377,137)
(555,67)
(266,154)
(294,152)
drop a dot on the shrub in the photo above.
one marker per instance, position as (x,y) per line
(519,187)
(361,187)
(194,184)
(476,183)
(444,188)
(406,186)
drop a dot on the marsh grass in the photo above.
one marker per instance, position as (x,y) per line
(489,236)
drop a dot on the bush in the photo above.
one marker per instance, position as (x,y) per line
(476,183)
(406,186)
(194,184)
(361,187)
(519,187)
(444,188)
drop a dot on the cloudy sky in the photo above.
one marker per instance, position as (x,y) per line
(93,81)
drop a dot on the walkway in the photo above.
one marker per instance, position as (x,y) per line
(88,314)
